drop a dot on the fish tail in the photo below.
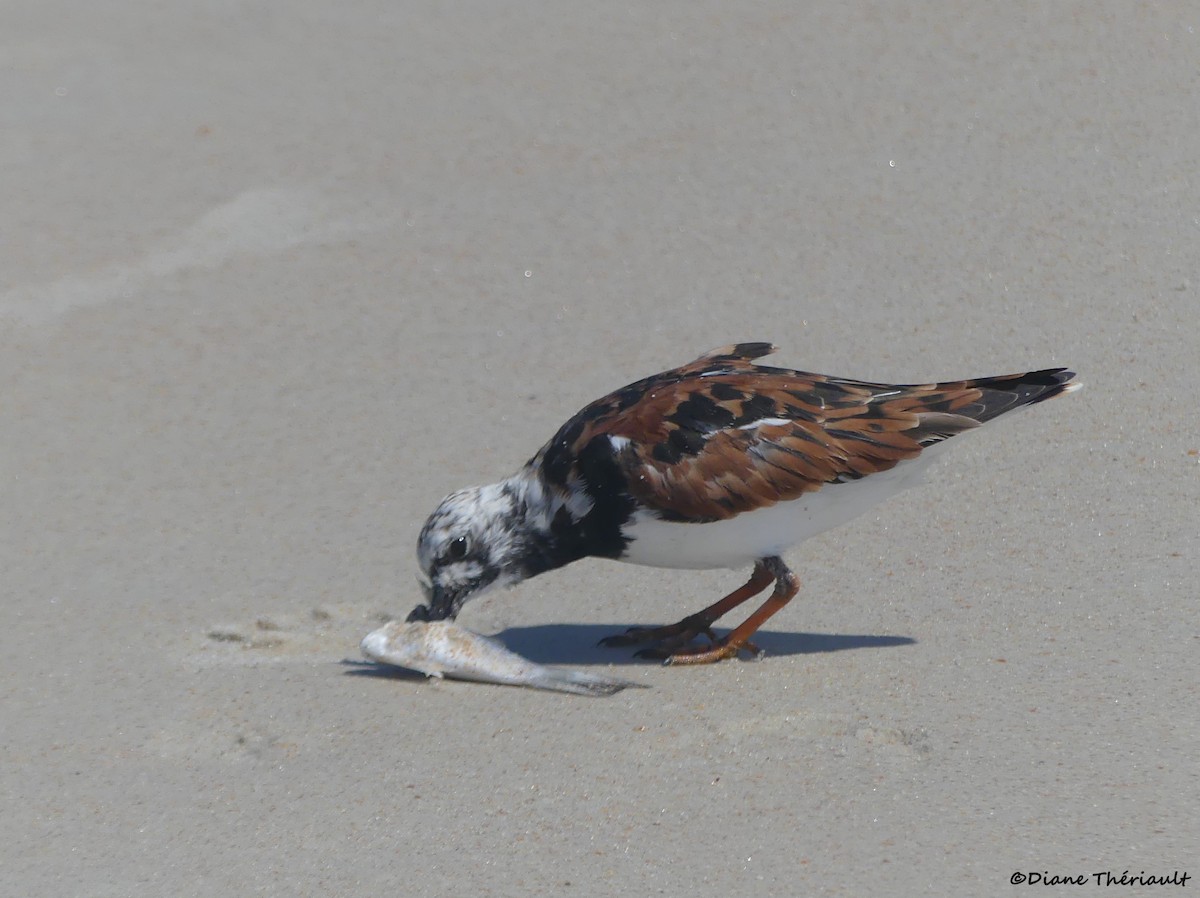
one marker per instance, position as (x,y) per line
(579,683)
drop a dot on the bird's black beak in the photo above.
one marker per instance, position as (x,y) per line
(442,604)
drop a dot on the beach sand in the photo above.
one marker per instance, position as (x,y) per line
(276,279)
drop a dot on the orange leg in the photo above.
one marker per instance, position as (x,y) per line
(672,641)
(786,586)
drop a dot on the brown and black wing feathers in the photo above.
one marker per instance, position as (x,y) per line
(721,435)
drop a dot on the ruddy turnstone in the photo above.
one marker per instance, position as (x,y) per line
(720,463)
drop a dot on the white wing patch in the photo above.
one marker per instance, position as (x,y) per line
(764,422)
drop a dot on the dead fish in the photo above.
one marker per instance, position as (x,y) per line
(443,648)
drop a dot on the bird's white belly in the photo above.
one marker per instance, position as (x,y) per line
(741,540)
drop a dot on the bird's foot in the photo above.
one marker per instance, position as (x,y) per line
(718,650)
(672,643)
(672,636)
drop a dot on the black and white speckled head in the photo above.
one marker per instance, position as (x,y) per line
(475,540)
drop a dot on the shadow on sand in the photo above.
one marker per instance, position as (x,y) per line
(576,644)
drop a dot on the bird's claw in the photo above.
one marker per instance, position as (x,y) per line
(717,650)
(673,636)
(672,644)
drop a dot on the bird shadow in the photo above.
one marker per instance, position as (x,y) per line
(578,643)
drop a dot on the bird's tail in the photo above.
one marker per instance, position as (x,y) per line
(998,395)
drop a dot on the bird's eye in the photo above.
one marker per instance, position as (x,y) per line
(458,549)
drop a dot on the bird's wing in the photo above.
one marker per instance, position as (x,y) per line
(721,435)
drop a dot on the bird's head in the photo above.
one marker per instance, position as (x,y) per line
(471,543)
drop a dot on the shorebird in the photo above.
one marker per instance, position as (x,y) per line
(720,463)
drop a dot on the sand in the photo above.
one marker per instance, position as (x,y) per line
(277,277)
